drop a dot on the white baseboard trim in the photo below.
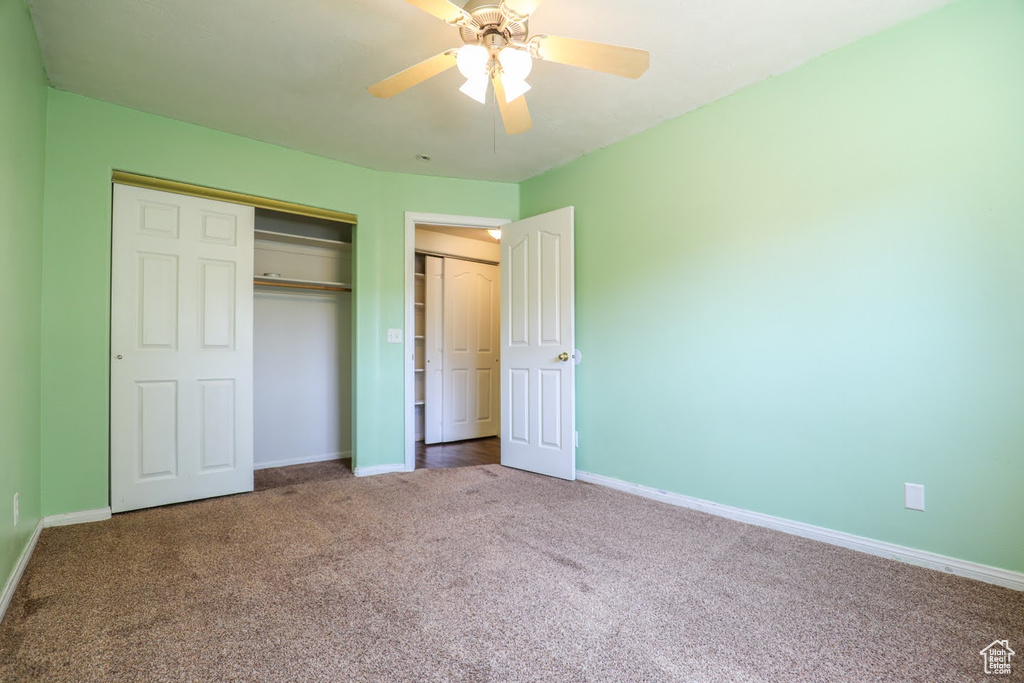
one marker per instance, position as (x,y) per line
(304,460)
(921,558)
(19,569)
(80,517)
(378,469)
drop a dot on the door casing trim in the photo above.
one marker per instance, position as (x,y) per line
(412,219)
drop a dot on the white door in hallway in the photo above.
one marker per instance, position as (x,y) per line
(538,396)
(181,349)
(470,375)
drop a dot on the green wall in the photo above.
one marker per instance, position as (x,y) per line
(800,297)
(86,140)
(22,146)
(791,301)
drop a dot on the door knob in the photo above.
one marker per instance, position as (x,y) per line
(563,356)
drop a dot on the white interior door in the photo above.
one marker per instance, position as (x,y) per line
(471,324)
(181,397)
(538,393)
(433,347)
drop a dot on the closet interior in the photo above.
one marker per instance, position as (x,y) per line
(419,345)
(302,344)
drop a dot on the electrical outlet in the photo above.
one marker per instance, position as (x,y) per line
(16,505)
(913,496)
(394,336)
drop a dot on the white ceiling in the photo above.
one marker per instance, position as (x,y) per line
(295,72)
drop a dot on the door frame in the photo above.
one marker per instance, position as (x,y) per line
(412,219)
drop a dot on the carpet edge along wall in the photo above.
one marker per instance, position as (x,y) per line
(22,128)
(803,296)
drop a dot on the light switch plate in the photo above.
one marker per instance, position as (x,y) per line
(394,336)
(913,495)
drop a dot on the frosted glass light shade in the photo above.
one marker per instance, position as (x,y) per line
(514,89)
(472,60)
(515,64)
(476,88)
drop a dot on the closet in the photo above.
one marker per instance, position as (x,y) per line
(301,339)
(230,339)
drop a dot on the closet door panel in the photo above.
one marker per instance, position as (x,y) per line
(217,303)
(157,411)
(181,348)
(157,301)
(218,428)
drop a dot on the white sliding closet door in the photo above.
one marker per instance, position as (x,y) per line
(471,406)
(181,395)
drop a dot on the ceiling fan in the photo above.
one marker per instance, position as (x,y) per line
(498,49)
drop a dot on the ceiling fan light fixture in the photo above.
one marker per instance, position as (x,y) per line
(472,61)
(514,89)
(476,88)
(516,64)
(498,47)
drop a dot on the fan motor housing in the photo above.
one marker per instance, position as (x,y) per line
(487,22)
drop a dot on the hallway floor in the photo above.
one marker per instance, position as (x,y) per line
(458,453)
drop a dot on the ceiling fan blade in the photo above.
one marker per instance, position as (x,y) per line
(442,9)
(523,8)
(612,59)
(414,75)
(515,114)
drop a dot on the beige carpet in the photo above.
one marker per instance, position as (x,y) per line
(276,477)
(480,574)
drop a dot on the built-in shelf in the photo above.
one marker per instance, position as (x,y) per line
(291,283)
(271,236)
(419,346)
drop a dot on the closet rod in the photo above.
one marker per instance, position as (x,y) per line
(296,285)
(461,258)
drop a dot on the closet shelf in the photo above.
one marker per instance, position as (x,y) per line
(419,370)
(419,403)
(420,303)
(291,283)
(421,274)
(271,236)
(418,336)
